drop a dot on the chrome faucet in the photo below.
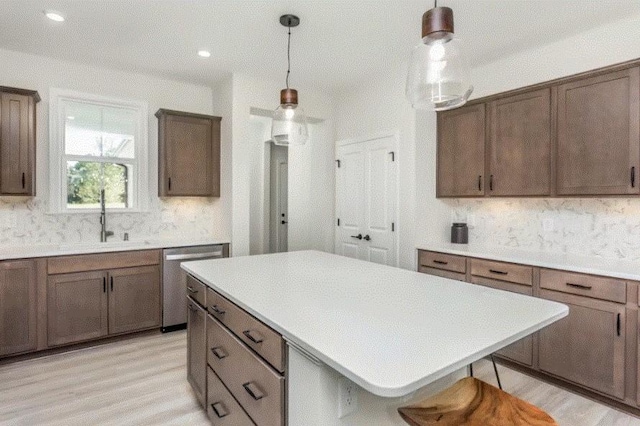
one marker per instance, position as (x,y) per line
(103,220)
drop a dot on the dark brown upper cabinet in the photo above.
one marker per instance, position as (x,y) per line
(17,141)
(598,135)
(574,136)
(520,145)
(189,154)
(461,143)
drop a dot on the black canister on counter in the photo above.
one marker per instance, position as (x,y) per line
(459,233)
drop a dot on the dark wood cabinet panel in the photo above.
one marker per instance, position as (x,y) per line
(197,350)
(461,152)
(17,141)
(520,145)
(189,154)
(77,307)
(588,346)
(18,307)
(598,135)
(134,299)
(522,350)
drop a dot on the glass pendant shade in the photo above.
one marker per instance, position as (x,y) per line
(289,125)
(438,76)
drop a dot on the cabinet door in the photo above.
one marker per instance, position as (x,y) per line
(17,307)
(461,136)
(587,347)
(196,350)
(598,135)
(17,144)
(520,145)
(76,307)
(134,299)
(522,350)
(189,156)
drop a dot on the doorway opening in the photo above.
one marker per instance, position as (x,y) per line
(279,194)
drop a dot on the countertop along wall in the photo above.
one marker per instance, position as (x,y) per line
(26,220)
(609,228)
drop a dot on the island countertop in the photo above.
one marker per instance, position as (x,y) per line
(389,330)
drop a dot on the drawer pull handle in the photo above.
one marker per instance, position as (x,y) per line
(253,391)
(218,310)
(440,262)
(219,352)
(580,286)
(219,409)
(191,290)
(495,271)
(251,337)
(618,325)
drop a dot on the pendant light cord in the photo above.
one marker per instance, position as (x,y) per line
(288,57)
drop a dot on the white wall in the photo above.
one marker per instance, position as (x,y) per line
(311,185)
(607,227)
(26,220)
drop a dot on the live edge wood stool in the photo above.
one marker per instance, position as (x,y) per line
(472,402)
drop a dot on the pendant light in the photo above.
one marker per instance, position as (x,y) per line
(289,126)
(438,77)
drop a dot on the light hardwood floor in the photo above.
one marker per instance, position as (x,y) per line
(142,381)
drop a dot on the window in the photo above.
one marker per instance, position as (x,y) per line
(97,144)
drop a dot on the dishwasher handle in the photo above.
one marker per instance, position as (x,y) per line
(193,256)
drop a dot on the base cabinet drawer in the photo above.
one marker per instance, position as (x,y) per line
(509,272)
(259,337)
(445,262)
(196,290)
(258,388)
(588,346)
(222,408)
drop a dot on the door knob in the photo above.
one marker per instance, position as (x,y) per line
(357,237)
(284,221)
(367,238)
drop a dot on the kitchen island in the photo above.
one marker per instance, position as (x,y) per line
(397,334)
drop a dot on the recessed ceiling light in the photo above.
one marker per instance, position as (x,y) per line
(54,16)
(204,53)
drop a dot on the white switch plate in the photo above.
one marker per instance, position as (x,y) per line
(347,397)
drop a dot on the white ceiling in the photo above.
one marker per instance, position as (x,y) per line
(339,43)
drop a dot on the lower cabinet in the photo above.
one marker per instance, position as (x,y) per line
(522,350)
(89,305)
(18,307)
(77,307)
(134,299)
(588,346)
(197,350)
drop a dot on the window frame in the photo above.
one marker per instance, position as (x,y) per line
(58,159)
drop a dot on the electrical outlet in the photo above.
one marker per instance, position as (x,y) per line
(471,220)
(347,397)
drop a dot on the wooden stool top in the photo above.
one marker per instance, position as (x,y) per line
(472,402)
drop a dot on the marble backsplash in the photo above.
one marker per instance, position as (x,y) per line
(26,221)
(607,227)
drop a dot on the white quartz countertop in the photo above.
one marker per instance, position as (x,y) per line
(50,250)
(622,269)
(391,331)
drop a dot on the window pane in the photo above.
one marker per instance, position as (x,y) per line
(96,130)
(82,133)
(85,179)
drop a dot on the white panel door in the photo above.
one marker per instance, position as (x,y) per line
(351,198)
(366,201)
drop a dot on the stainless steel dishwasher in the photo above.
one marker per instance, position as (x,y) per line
(174,299)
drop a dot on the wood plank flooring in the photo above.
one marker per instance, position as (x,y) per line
(142,381)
